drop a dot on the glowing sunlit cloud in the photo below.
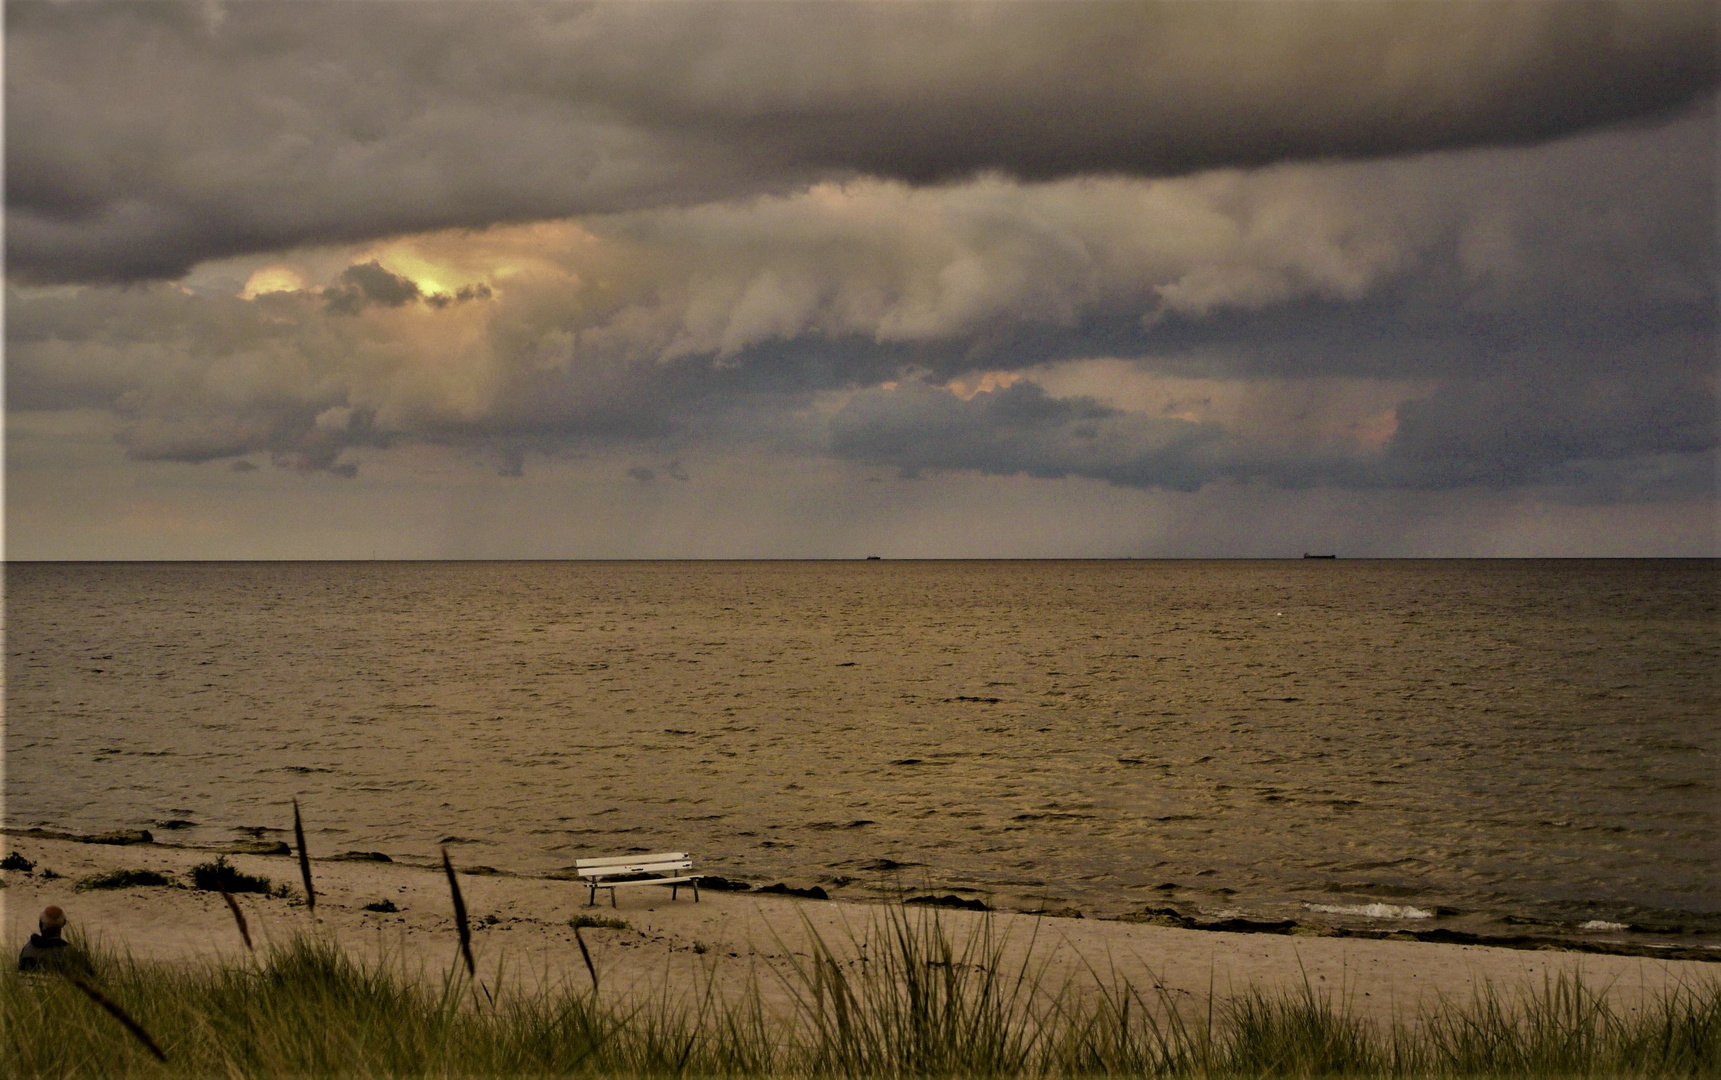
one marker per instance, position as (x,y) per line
(985,383)
(446,261)
(272,279)
(1375,432)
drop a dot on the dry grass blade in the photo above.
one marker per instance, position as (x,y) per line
(238,918)
(460,925)
(304,859)
(585,954)
(117,1013)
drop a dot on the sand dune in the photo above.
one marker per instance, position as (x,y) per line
(522,935)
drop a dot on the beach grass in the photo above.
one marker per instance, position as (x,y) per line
(599,922)
(123,879)
(910,1000)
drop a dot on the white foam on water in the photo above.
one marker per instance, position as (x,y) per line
(1603,924)
(1373,911)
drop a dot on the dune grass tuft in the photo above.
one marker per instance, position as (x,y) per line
(600,922)
(123,879)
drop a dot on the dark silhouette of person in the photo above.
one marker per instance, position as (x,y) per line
(48,946)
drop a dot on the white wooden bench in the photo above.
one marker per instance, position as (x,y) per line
(670,868)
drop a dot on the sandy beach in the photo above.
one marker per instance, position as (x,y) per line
(522,936)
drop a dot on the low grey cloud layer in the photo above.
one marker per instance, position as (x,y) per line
(1020,429)
(144,138)
(1600,438)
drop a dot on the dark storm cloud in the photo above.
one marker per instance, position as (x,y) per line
(368,283)
(928,92)
(479,291)
(143,138)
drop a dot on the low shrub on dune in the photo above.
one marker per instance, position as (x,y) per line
(220,875)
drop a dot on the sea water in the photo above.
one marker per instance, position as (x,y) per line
(1481,745)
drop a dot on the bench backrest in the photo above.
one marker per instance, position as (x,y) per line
(664,864)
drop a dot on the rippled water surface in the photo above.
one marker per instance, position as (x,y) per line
(1481,743)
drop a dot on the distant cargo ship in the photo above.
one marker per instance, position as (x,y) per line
(1306,555)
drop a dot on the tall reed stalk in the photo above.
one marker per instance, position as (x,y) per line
(462,929)
(304,860)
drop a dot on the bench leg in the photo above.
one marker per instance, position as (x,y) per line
(674,891)
(612,896)
(695,892)
(591,901)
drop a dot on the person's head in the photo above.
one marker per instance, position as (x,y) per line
(52,922)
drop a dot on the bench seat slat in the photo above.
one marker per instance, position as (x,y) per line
(635,868)
(619,860)
(600,883)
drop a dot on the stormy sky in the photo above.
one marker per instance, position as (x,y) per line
(509,279)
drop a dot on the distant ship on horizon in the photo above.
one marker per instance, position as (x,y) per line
(1306,555)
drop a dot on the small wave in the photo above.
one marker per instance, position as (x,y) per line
(1373,911)
(1603,925)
